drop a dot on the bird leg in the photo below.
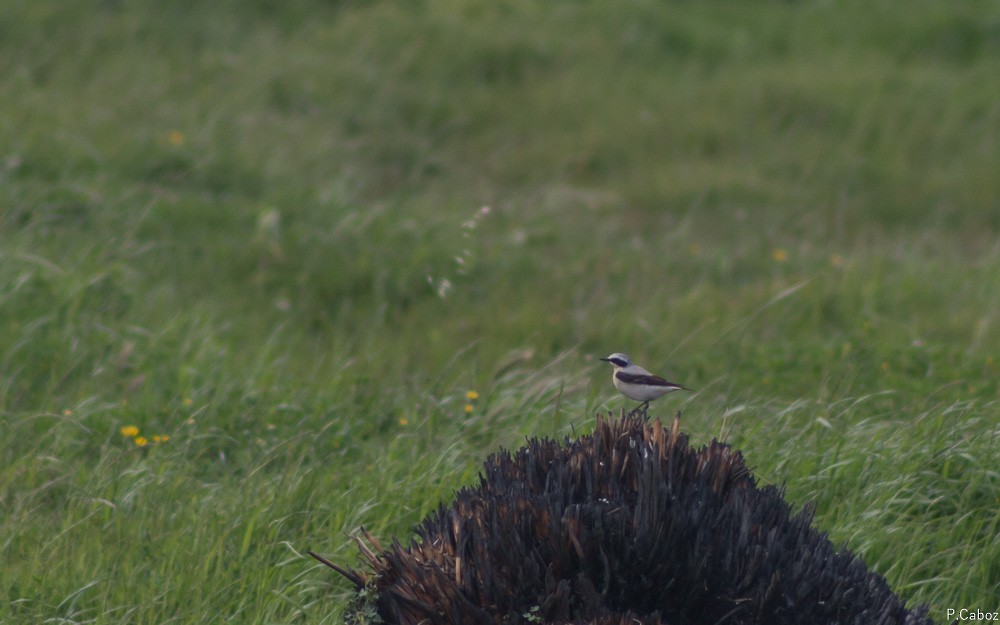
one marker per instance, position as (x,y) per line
(643,409)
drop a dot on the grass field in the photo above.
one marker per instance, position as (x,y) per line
(284,242)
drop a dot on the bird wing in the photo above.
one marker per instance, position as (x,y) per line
(648,379)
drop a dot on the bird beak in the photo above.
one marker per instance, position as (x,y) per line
(606,359)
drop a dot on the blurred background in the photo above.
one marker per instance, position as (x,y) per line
(270,271)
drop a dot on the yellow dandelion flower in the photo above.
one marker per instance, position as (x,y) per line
(779,255)
(176,137)
(472,395)
(130,431)
(187,401)
(141,441)
(469,408)
(403,421)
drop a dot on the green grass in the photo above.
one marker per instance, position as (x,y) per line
(256,228)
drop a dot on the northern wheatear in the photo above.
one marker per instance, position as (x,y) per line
(636,383)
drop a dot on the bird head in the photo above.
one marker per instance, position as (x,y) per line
(618,360)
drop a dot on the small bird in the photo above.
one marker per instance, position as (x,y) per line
(636,383)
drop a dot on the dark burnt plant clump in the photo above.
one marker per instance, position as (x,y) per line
(627,525)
